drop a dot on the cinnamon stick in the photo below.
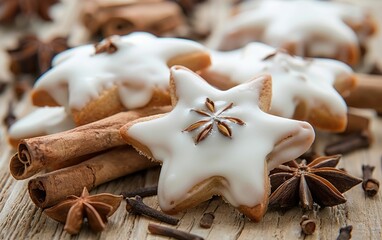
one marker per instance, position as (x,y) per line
(367,93)
(50,188)
(356,123)
(349,143)
(39,153)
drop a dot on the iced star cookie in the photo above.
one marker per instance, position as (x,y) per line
(302,89)
(217,142)
(119,73)
(42,121)
(306,28)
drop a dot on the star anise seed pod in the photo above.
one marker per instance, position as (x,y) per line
(10,9)
(96,208)
(319,181)
(33,56)
(106,46)
(213,117)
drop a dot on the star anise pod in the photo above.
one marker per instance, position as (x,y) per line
(96,209)
(106,46)
(10,9)
(319,181)
(33,56)
(213,117)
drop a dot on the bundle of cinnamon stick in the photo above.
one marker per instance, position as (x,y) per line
(85,156)
(366,95)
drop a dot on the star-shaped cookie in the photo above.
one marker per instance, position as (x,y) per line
(217,142)
(303,27)
(303,89)
(119,73)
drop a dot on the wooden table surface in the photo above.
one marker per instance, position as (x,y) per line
(21,219)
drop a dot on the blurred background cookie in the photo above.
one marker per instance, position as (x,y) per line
(306,28)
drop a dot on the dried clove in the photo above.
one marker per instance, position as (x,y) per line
(308,226)
(370,185)
(10,118)
(345,233)
(170,232)
(142,192)
(136,206)
(207,220)
(349,143)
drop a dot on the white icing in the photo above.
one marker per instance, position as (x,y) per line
(239,160)
(321,25)
(137,67)
(294,79)
(42,121)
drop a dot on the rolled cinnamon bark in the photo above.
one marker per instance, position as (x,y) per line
(54,151)
(50,188)
(356,123)
(367,93)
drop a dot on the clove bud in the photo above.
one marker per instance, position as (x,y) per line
(173,233)
(345,233)
(370,185)
(308,226)
(207,220)
(136,206)
(142,192)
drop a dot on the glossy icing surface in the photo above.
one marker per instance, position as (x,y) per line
(294,79)
(238,159)
(320,25)
(42,121)
(138,67)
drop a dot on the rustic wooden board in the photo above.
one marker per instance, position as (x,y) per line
(21,219)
